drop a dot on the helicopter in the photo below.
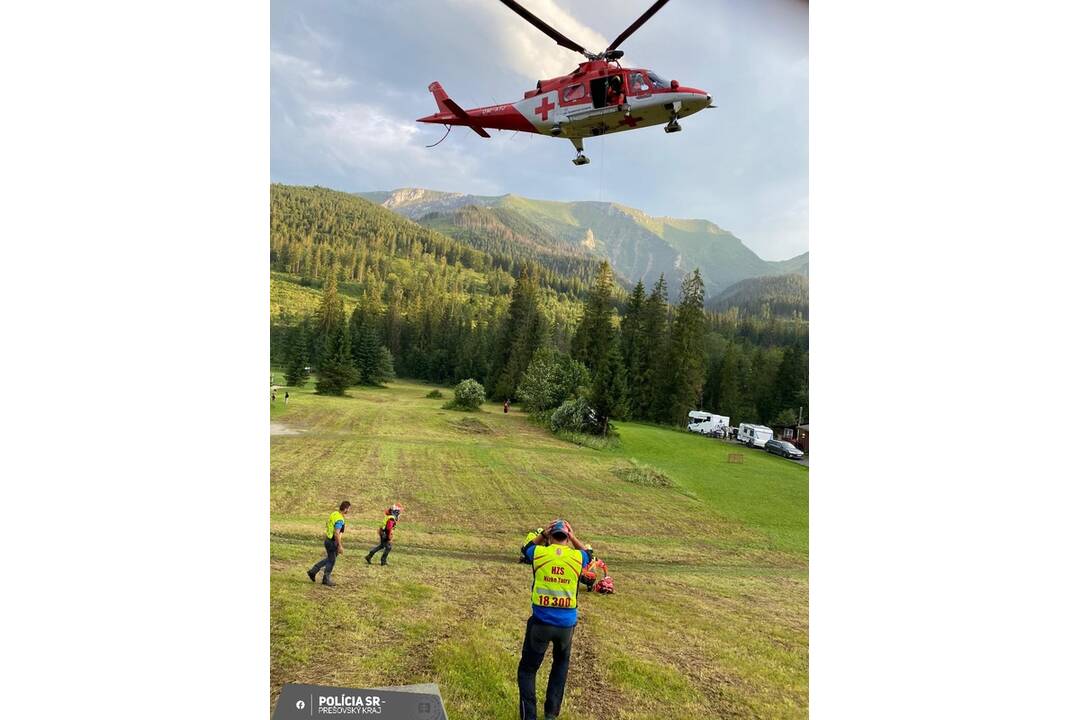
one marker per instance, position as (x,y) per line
(597,98)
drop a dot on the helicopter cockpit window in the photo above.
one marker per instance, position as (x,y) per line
(638,84)
(658,81)
(571,93)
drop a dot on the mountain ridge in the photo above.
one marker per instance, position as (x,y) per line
(638,245)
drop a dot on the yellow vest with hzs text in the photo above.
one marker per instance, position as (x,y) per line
(334,517)
(555,576)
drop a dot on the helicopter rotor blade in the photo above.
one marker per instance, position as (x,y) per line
(543,27)
(637,23)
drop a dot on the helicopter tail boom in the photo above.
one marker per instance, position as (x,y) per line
(440,97)
(448,106)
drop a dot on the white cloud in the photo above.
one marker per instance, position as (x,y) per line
(375,149)
(527,50)
(299,71)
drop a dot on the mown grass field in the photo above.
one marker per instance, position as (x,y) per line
(710,615)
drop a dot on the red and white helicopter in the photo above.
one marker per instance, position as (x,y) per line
(599,97)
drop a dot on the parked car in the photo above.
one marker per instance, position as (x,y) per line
(783,448)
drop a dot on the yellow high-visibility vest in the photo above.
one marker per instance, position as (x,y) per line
(555,576)
(334,517)
(530,537)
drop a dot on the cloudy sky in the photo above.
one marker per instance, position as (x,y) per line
(349,78)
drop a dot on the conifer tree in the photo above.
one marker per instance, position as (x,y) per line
(790,384)
(384,366)
(594,333)
(688,348)
(633,349)
(336,371)
(296,354)
(608,390)
(330,315)
(655,399)
(522,332)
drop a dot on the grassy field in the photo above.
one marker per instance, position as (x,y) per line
(709,619)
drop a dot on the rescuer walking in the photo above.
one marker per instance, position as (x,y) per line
(335,526)
(386,531)
(556,568)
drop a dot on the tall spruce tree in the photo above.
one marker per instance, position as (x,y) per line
(596,344)
(522,333)
(594,333)
(357,328)
(633,350)
(336,371)
(384,367)
(608,391)
(296,354)
(329,316)
(790,385)
(688,348)
(373,361)
(655,398)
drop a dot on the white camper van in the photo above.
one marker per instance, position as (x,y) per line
(706,423)
(755,435)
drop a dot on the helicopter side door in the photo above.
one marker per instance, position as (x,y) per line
(605,91)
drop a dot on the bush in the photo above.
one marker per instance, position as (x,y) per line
(575,416)
(434,394)
(468,395)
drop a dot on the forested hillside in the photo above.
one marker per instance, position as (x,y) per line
(516,241)
(637,245)
(782,296)
(359,293)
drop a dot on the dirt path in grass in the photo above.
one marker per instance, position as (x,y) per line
(277,428)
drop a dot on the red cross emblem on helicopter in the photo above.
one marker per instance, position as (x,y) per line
(544,108)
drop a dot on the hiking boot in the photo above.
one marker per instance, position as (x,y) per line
(312,573)
(368,558)
(328,581)
(383,562)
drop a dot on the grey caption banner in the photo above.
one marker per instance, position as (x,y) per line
(307,701)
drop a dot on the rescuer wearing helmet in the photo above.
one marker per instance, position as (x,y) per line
(386,531)
(335,526)
(556,568)
(532,535)
(614,96)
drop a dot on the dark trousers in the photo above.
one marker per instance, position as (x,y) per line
(537,637)
(327,564)
(385,546)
